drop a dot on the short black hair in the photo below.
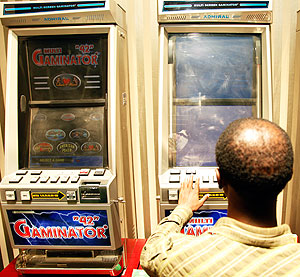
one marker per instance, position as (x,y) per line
(256,157)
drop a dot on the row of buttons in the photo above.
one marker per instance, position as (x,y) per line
(188,171)
(82,172)
(10,195)
(46,179)
(36,176)
(205,179)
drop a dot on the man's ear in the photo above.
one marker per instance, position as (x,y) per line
(218,175)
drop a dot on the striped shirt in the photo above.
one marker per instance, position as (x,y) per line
(230,248)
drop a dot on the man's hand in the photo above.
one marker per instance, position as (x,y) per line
(189,196)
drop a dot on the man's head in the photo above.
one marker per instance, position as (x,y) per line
(255,157)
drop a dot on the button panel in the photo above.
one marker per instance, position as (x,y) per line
(207,176)
(48,185)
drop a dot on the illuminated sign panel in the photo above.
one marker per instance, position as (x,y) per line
(59,227)
(29,8)
(201,221)
(170,6)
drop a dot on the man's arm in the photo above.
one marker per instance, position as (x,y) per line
(156,249)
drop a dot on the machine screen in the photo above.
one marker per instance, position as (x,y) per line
(201,221)
(68,137)
(59,227)
(198,129)
(62,101)
(215,82)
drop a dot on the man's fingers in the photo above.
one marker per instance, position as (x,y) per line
(197,185)
(203,199)
(190,182)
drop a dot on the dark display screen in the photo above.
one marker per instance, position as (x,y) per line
(214,66)
(215,82)
(201,221)
(68,137)
(59,228)
(169,6)
(198,129)
(33,8)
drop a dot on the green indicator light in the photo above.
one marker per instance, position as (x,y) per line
(118,267)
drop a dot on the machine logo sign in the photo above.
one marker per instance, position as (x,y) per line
(79,134)
(42,147)
(55,57)
(216,16)
(59,227)
(64,18)
(91,147)
(67,147)
(55,134)
(201,221)
(66,81)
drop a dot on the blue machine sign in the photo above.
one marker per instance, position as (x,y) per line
(201,221)
(59,227)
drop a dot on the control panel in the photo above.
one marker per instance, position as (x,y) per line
(71,186)
(170,183)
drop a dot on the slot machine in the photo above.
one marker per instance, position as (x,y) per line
(59,194)
(214,68)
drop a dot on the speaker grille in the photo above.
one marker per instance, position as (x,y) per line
(97,17)
(258,17)
(176,17)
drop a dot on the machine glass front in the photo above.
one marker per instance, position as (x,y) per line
(215,80)
(62,91)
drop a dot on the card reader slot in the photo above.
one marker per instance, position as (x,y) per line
(93,192)
(65,254)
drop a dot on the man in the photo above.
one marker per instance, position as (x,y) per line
(255,160)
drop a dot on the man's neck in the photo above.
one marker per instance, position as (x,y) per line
(257,213)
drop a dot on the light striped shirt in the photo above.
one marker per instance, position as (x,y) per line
(230,248)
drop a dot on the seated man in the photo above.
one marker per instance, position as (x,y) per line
(255,160)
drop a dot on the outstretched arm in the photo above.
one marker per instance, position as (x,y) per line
(160,243)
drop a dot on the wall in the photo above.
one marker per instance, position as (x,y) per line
(292,193)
